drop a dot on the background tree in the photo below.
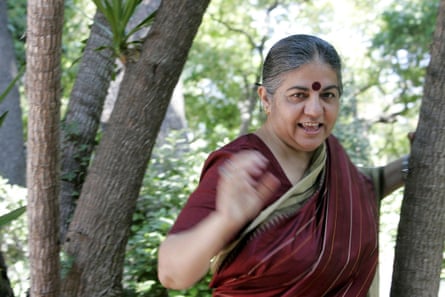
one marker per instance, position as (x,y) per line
(98,233)
(43,73)
(421,234)
(82,118)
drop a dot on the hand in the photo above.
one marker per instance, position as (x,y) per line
(244,187)
(411,136)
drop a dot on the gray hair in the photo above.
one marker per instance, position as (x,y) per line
(294,51)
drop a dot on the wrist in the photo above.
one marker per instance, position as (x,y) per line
(225,228)
(405,167)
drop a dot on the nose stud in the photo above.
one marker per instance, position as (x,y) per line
(316,86)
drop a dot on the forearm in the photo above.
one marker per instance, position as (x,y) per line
(393,178)
(243,188)
(184,258)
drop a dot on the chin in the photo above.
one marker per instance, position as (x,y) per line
(311,146)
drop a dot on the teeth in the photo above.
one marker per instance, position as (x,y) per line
(310,124)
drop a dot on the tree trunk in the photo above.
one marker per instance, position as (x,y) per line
(248,106)
(421,234)
(43,51)
(12,148)
(175,115)
(99,230)
(83,116)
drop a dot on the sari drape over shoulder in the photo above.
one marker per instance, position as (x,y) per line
(319,239)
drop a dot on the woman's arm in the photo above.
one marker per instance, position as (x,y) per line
(243,189)
(393,176)
(184,258)
(394,173)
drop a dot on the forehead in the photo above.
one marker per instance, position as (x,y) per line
(313,75)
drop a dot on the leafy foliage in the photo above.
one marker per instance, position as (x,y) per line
(13,235)
(17,27)
(225,62)
(403,43)
(172,176)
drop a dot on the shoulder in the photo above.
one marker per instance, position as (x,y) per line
(370,178)
(245,142)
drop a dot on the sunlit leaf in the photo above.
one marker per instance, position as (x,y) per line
(11,216)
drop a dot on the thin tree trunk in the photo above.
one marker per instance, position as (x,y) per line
(43,51)
(99,230)
(248,107)
(421,234)
(12,147)
(83,116)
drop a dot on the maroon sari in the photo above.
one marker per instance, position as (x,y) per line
(328,247)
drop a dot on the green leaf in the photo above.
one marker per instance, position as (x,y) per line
(145,22)
(11,216)
(3,117)
(6,92)
(11,85)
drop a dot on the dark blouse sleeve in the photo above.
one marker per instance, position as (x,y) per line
(377,177)
(202,201)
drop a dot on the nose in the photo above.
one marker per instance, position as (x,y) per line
(313,106)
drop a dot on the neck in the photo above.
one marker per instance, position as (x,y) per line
(293,162)
(278,146)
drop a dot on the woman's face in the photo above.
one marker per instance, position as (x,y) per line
(304,108)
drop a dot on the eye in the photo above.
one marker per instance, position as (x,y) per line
(329,95)
(297,97)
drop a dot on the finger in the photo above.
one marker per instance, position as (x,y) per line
(411,136)
(248,158)
(267,186)
(251,162)
(223,169)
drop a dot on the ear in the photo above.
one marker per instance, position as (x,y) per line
(265,101)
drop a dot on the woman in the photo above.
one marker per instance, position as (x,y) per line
(283,211)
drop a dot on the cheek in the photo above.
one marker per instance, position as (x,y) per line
(332,111)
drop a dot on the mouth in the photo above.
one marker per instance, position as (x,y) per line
(310,127)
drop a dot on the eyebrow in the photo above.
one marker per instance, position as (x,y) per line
(307,89)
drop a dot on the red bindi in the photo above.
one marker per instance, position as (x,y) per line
(316,86)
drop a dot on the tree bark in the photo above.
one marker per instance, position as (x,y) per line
(12,146)
(99,230)
(421,234)
(82,119)
(43,51)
